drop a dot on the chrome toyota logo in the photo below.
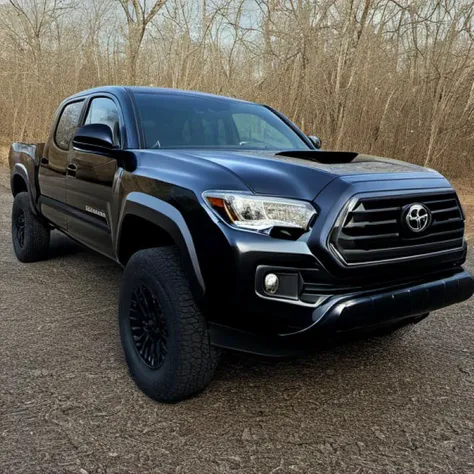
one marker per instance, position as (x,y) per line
(418,218)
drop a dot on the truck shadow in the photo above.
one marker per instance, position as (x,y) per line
(329,358)
(62,246)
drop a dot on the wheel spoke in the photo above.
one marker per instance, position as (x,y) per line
(148,326)
(136,315)
(20,227)
(139,338)
(144,346)
(140,303)
(146,302)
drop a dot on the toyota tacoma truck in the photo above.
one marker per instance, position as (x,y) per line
(235,230)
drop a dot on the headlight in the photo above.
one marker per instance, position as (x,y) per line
(260,213)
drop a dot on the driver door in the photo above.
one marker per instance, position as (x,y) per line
(90,180)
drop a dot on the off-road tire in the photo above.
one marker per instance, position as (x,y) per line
(30,235)
(190,360)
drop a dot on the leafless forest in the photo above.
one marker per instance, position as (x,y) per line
(385,77)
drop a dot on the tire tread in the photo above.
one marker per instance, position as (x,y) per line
(37,233)
(194,360)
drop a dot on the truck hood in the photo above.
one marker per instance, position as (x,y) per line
(302,174)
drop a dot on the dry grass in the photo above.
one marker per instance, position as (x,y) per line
(3,156)
(4,174)
(465,190)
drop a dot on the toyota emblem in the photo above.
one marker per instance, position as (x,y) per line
(418,218)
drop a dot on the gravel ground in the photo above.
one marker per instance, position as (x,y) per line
(67,403)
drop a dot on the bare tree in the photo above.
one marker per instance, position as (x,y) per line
(138,17)
(386,77)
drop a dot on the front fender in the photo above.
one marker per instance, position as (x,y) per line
(168,218)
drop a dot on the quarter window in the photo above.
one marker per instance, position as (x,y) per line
(103,110)
(67,124)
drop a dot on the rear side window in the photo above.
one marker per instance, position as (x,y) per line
(67,124)
(103,110)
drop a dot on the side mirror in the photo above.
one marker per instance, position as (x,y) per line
(316,141)
(94,137)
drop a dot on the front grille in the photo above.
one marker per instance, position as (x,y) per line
(372,229)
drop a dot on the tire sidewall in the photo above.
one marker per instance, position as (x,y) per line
(21,203)
(148,378)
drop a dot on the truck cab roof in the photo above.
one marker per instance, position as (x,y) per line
(118,90)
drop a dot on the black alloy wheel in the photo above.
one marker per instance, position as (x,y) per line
(30,234)
(164,335)
(148,326)
(20,227)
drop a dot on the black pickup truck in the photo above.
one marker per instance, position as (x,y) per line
(234,229)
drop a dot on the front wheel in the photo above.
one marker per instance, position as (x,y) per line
(164,335)
(30,235)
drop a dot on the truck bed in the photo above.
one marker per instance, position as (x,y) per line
(24,152)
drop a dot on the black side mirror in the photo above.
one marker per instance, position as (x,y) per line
(94,137)
(316,141)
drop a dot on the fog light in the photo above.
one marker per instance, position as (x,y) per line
(271,283)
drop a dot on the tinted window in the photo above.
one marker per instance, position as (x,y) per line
(252,129)
(103,110)
(67,124)
(174,121)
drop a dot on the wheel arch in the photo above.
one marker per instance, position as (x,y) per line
(20,182)
(145,222)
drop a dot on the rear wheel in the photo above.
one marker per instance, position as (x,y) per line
(30,235)
(164,335)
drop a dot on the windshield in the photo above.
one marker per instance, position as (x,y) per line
(185,121)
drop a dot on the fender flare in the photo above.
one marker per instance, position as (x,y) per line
(168,218)
(19,169)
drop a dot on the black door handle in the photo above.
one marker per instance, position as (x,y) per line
(44,161)
(71,169)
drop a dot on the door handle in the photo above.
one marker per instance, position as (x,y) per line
(44,161)
(71,169)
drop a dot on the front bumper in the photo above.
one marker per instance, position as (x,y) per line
(321,293)
(363,310)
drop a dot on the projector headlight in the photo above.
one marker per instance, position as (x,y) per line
(260,213)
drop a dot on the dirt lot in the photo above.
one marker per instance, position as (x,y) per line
(67,404)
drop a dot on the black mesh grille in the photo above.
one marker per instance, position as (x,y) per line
(373,230)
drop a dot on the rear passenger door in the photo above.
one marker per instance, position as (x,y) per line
(53,164)
(90,180)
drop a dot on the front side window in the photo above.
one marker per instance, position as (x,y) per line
(185,121)
(103,110)
(67,124)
